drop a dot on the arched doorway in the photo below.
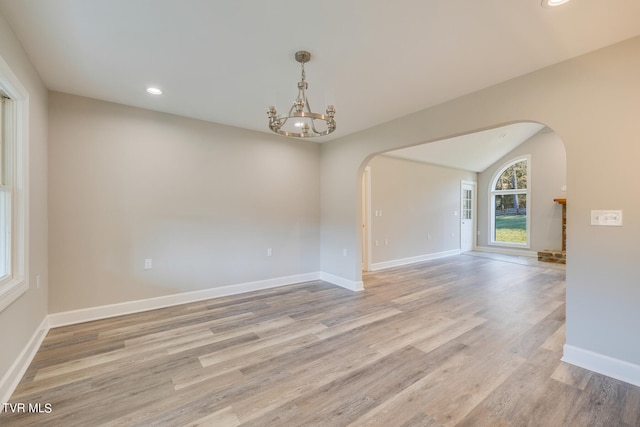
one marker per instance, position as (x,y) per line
(414,209)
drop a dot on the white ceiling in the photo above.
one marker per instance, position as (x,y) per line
(375,60)
(474,152)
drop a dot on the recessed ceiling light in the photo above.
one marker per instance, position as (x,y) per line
(553,3)
(154,91)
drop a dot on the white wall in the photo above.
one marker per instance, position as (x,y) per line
(203,201)
(20,320)
(417,202)
(591,102)
(547,175)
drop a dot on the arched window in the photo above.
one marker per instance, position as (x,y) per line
(509,201)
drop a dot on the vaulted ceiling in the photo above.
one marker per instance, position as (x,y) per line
(375,60)
(473,152)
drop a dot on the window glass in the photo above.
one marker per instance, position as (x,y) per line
(510,205)
(4,238)
(466,208)
(13,191)
(513,178)
(5,189)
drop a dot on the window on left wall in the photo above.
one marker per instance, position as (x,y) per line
(13,137)
(6,197)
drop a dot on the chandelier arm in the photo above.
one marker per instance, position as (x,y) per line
(306,102)
(304,114)
(284,117)
(313,122)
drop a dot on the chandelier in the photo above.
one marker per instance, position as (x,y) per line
(300,122)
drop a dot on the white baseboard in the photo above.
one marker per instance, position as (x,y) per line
(614,368)
(129,307)
(411,260)
(352,285)
(12,377)
(507,251)
(605,365)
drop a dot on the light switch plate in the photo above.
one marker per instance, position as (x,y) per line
(607,218)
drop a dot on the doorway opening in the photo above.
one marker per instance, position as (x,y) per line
(435,200)
(366,219)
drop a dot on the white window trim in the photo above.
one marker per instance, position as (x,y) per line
(19,283)
(492,205)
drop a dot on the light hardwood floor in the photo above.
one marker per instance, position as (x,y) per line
(459,341)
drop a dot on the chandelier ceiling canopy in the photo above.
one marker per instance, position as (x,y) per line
(300,121)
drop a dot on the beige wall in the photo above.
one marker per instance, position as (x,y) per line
(203,201)
(547,176)
(591,102)
(417,201)
(20,320)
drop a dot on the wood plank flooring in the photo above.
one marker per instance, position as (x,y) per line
(459,341)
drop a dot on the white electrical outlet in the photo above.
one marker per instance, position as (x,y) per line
(607,218)
(269,251)
(344,252)
(38,281)
(148,264)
